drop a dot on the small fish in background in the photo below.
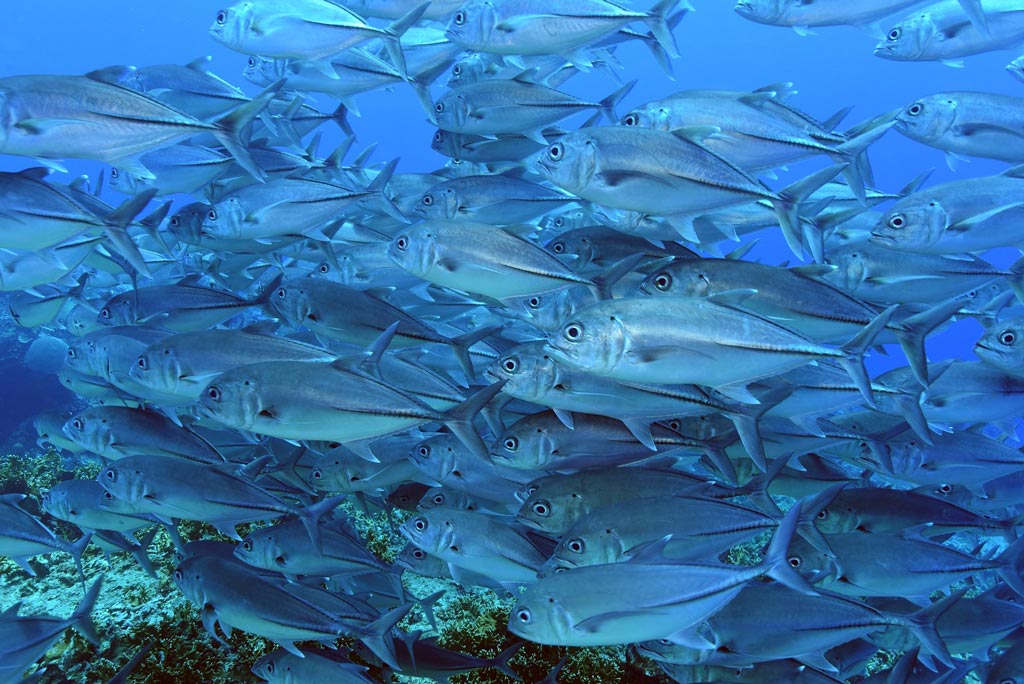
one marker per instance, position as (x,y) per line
(582,382)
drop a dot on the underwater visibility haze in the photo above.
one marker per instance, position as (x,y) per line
(491,340)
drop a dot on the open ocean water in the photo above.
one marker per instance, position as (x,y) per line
(830,69)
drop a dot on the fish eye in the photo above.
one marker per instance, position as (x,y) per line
(175,221)
(662,282)
(113,172)
(428,200)
(559,222)
(541,508)
(317,474)
(555,152)
(915,109)
(211,215)
(108,496)
(423,451)
(439,499)
(178,576)
(897,221)
(252,62)
(524,616)
(270,668)
(105,313)
(72,354)
(438,136)
(457,70)
(402,243)
(631,120)
(110,474)
(895,33)
(439,107)
(558,247)
(418,554)
(77,423)
(533,302)
(575,545)
(510,365)
(247,545)
(460,18)
(1007,337)
(945,488)
(323,268)
(823,514)
(420,524)
(214,393)
(573,332)
(511,443)
(281,293)
(143,362)
(794,561)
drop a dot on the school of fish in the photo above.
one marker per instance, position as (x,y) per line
(554,355)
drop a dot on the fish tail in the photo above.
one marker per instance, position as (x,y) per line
(607,105)
(311,515)
(461,344)
(379,197)
(126,212)
(853,152)
(922,625)
(787,205)
(1016,279)
(394,31)
(81,619)
(377,635)
(657,21)
(746,417)
(853,359)
(460,419)
(776,560)
(264,297)
(1010,571)
(77,549)
(141,552)
(426,603)
(913,330)
(230,126)
(500,661)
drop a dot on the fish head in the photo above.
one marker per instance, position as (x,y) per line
(80,356)
(225,219)
(472,25)
(907,40)
(433,455)
(57,503)
(290,301)
(126,182)
(262,71)
(929,118)
(188,577)
(567,220)
(262,549)
(430,530)
(574,248)
(665,650)
(415,249)
(808,561)
(594,340)
(187,224)
(119,310)
(689,280)
(547,311)
(451,111)
(433,204)
(851,268)
(530,374)
(552,506)
(762,11)
(470,69)
(911,225)
(1016,68)
(1002,346)
(439,497)
(569,163)
(9,115)
(652,116)
(158,368)
(89,430)
(232,399)
(233,25)
(527,445)
(541,617)
(125,481)
(447,143)
(582,547)
(274,667)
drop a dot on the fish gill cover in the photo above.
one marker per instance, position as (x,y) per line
(512,339)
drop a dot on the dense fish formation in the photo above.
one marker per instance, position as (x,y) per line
(548,361)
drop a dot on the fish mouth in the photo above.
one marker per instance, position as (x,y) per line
(884,49)
(882,239)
